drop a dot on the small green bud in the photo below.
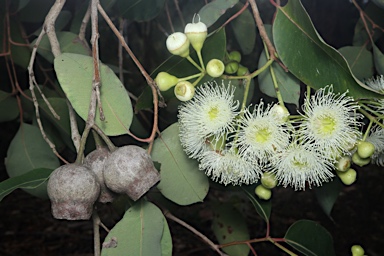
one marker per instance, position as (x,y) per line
(357,250)
(231,67)
(356,159)
(165,81)
(184,90)
(235,56)
(178,44)
(268,180)
(242,71)
(196,33)
(365,149)
(215,68)
(263,192)
(348,177)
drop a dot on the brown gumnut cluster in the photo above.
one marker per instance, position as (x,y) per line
(73,188)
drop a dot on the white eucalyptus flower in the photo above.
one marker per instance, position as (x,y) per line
(262,134)
(207,117)
(300,164)
(227,167)
(376,137)
(377,84)
(330,122)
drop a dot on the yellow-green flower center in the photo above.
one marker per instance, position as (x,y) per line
(299,163)
(262,135)
(325,125)
(213,113)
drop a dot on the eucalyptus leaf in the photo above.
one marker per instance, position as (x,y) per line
(138,233)
(310,238)
(360,60)
(244,29)
(75,74)
(212,11)
(166,240)
(181,180)
(262,207)
(28,180)
(229,225)
(309,58)
(69,43)
(327,195)
(8,105)
(140,10)
(378,57)
(28,151)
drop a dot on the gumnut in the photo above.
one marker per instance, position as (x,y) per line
(196,33)
(178,44)
(165,81)
(184,91)
(130,170)
(343,163)
(73,189)
(242,71)
(235,56)
(263,192)
(231,67)
(95,162)
(356,159)
(215,68)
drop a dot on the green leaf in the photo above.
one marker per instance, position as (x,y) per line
(138,233)
(262,207)
(181,180)
(8,105)
(140,10)
(309,58)
(378,57)
(166,240)
(28,151)
(212,11)
(310,238)
(29,180)
(229,225)
(327,195)
(75,73)
(379,3)
(360,60)
(244,28)
(20,51)
(69,43)
(289,85)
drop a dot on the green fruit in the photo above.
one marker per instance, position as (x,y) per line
(365,149)
(231,67)
(215,68)
(242,71)
(268,180)
(165,81)
(184,90)
(348,177)
(235,56)
(356,159)
(263,192)
(357,250)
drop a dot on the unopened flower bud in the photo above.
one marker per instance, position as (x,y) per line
(215,68)
(196,33)
(178,44)
(165,81)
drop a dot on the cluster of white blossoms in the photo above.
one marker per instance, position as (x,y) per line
(236,147)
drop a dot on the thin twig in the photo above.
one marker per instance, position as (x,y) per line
(147,77)
(50,19)
(193,230)
(96,232)
(75,135)
(120,51)
(236,14)
(84,23)
(179,12)
(262,32)
(169,17)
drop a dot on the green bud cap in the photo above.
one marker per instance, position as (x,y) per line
(348,177)
(196,33)
(343,163)
(268,180)
(242,71)
(263,193)
(178,44)
(231,67)
(356,159)
(235,56)
(215,68)
(365,149)
(165,81)
(184,90)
